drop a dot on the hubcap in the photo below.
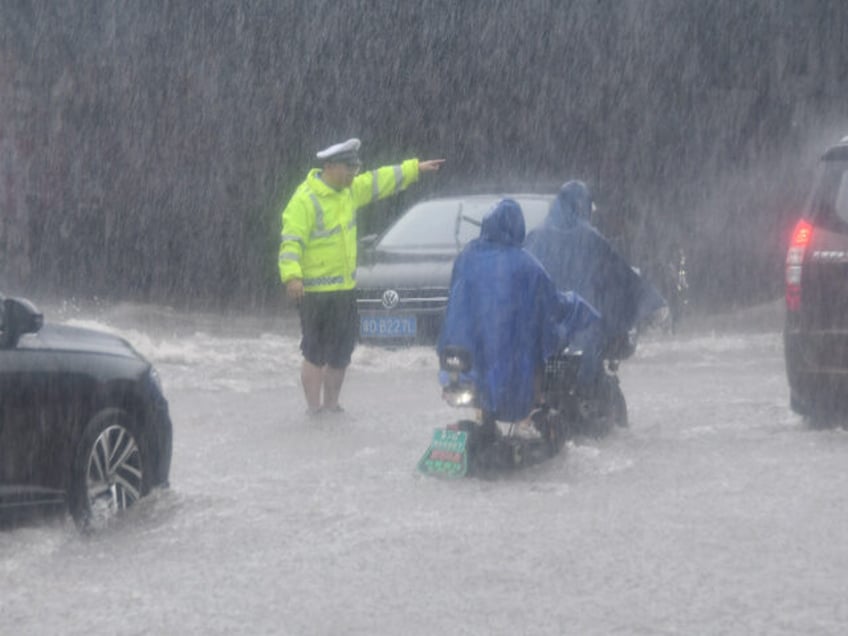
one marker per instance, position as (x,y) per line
(114,474)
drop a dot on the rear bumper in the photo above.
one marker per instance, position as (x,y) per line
(817,371)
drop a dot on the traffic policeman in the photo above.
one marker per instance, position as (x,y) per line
(317,260)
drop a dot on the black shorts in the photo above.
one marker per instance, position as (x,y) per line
(329,323)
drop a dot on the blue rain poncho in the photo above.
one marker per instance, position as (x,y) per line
(578,258)
(505,310)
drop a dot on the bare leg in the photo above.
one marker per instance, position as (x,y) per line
(333,379)
(311,377)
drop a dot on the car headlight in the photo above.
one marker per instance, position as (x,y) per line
(155,380)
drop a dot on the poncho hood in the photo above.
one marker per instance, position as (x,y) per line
(573,204)
(504,224)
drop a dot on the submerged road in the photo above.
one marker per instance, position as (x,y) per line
(717,511)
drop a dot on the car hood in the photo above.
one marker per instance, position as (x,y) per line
(406,269)
(77,339)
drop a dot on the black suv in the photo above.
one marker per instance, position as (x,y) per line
(83,422)
(816,332)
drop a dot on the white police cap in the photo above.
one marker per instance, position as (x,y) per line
(343,152)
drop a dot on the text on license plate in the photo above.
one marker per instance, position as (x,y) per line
(387,326)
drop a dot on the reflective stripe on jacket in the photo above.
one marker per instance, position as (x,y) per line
(318,240)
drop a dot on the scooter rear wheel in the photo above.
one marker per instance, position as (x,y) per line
(618,407)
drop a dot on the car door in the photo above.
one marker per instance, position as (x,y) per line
(824,307)
(29,386)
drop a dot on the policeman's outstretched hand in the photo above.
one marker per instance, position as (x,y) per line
(294,290)
(431,165)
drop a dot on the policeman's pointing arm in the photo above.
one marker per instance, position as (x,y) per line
(431,165)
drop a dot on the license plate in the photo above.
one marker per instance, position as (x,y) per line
(387,326)
(447,455)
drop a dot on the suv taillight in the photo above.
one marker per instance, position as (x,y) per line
(794,261)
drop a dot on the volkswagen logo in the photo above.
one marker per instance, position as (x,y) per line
(390,299)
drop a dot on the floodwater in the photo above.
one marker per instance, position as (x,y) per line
(717,512)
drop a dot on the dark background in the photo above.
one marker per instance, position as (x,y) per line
(147,148)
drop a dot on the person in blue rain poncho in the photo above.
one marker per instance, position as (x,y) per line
(505,310)
(578,257)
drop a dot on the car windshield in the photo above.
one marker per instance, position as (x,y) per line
(434,223)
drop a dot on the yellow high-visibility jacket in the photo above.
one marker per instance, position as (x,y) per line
(318,241)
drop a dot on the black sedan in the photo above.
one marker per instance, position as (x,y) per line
(404,274)
(83,421)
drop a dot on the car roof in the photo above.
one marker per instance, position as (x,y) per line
(477,196)
(535,206)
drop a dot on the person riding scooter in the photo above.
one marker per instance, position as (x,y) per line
(578,257)
(505,310)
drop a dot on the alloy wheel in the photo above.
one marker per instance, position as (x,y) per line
(114,474)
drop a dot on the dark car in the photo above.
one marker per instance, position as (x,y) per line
(816,331)
(83,421)
(403,277)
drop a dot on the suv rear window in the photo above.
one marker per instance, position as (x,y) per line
(841,203)
(829,203)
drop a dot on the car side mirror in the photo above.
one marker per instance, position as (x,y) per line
(19,316)
(366,249)
(367,241)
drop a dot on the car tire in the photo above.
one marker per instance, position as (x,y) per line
(821,419)
(110,470)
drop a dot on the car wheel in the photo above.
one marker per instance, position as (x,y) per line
(109,472)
